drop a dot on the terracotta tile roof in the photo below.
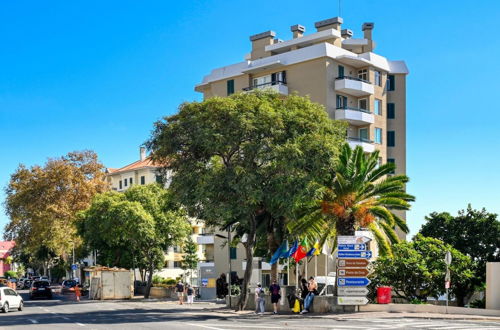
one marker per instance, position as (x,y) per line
(134,166)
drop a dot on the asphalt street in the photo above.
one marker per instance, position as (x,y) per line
(63,312)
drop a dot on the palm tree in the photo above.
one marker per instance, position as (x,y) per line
(363,194)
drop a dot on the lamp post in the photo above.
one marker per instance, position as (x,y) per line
(229,259)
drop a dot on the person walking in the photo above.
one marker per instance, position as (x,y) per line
(180,292)
(190,294)
(260,300)
(275,290)
(77,292)
(312,287)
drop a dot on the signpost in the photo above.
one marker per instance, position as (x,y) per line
(355,254)
(352,300)
(352,272)
(447,279)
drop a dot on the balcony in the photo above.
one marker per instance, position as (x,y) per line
(355,116)
(353,86)
(277,86)
(367,145)
(205,239)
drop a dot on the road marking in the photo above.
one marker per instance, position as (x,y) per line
(33,321)
(80,324)
(204,326)
(66,318)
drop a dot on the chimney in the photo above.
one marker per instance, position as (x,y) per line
(331,23)
(346,34)
(298,30)
(142,152)
(367,31)
(259,43)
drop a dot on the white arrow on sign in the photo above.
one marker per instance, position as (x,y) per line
(352,291)
(352,300)
(353,239)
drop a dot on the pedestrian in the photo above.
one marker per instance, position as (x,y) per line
(180,292)
(275,289)
(312,288)
(260,299)
(190,294)
(77,293)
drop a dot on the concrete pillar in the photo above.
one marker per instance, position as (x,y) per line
(493,285)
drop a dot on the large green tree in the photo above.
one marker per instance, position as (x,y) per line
(246,159)
(42,203)
(416,270)
(362,194)
(135,228)
(475,233)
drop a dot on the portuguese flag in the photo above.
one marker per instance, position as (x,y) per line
(301,251)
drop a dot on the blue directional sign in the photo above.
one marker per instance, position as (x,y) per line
(74,267)
(355,254)
(352,247)
(353,281)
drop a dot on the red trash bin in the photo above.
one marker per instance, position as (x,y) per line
(384,295)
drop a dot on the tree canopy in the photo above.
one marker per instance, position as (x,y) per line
(135,228)
(417,270)
(239,159)
(42,202)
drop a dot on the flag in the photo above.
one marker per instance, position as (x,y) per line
(292,250)
(301,251)
(325,249)
(314,251)
(284,251)
(283,248)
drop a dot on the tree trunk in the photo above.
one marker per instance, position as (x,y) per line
(272,245)
(150,281)
(346,226)
(249,245)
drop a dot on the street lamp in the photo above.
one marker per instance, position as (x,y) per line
(229,259)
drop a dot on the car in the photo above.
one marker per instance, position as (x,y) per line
(27,284)
(68,286)
(40,289)
(9,299)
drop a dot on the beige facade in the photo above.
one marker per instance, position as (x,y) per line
(336,70)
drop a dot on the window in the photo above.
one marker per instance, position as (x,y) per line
(363,104)
(130,181)
(363,74)
(125,182)
(143,179)
(363,134)
(120,184)
(177,248)
(378,78)
(378,107)
(391,138)
(177,264)
(159,179)
(262,81)
(341,71)
(391,111)
(341,102)
(378,135)
(278,77)
(230,87)
(391,161)
(232,252)
(391,83)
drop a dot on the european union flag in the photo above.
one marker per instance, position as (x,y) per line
(292,250)
(279,252)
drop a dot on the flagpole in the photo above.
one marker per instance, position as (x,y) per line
(288,271)
(306,264)
(316,266)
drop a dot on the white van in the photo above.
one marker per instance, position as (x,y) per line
(10,299)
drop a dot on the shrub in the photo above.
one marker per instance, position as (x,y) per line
(10,273)
(157,279)
(169,281)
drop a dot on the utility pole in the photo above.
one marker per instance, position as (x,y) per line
(447,279)
(73,265)
(229,259)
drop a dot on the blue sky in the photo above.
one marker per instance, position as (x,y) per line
(97,74)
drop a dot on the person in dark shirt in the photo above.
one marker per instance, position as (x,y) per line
(275,290)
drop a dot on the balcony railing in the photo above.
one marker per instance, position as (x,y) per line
(353,78)
(272,83)
(358,139)
(354,109)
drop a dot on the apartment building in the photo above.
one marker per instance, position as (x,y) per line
(335,69)
(145,171)
(356,85)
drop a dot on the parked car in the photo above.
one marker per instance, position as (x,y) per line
(40,289)
(9,298)
(27,284)
(68,286)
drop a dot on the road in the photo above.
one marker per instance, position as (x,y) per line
(63,312)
